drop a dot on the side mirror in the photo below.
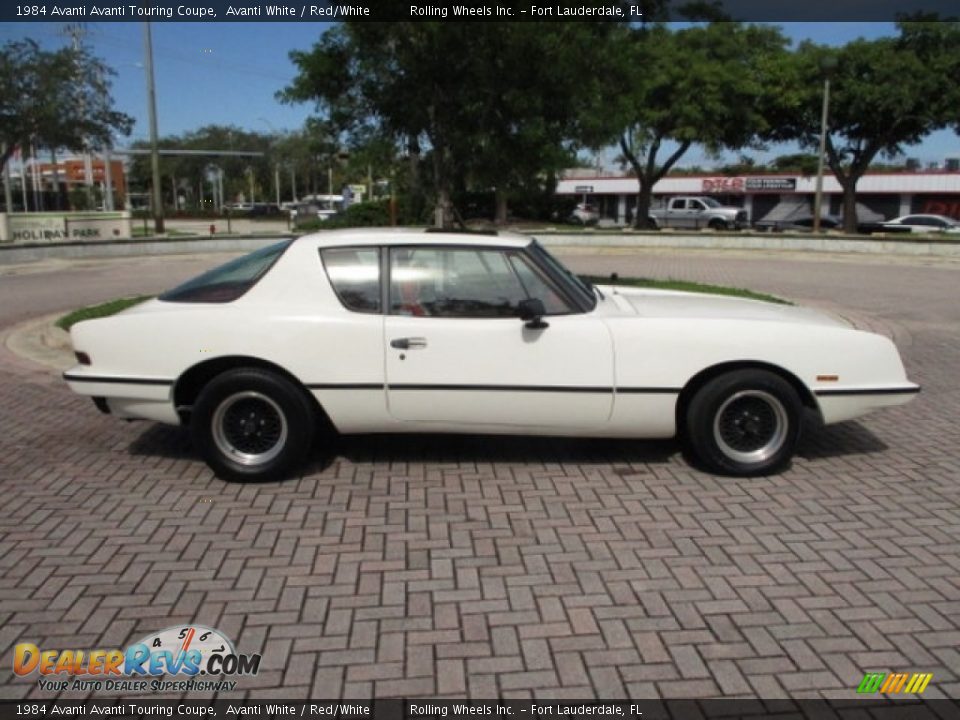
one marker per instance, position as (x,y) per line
(531,311)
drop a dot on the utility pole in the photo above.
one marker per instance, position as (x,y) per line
(818,193)
(7,192)
(23,178)
(107,180)
(77,33)
(154,149)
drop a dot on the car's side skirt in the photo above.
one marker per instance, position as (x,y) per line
(637,411)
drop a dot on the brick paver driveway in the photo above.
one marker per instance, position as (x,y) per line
(437,566)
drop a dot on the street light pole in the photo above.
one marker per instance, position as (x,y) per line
(818,198)
(154,149)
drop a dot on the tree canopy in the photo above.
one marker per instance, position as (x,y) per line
(884,94)
(713,85)
(493,102)
(57,99)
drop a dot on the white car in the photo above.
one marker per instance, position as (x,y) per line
(919,223)
(379,331)
(585,214)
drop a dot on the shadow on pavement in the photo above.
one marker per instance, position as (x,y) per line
(498,448)
(165,441)
(844,439)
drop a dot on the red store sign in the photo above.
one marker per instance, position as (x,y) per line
(723,185)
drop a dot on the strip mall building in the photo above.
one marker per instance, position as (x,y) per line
(880,196)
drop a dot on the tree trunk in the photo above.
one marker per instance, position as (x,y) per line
(442,216)
(8,150)
(500,217)
(641,218)
(648,174)
(441,211)
(849,186)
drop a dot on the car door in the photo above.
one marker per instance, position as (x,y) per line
(458,354)
(687,213)
(695,213)
(676,215)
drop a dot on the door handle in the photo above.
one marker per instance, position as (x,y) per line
(408,343)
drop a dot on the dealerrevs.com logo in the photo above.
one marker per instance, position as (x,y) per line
(149,664)
(894,683)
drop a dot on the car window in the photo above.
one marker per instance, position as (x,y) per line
(912,220)
(458,282)
(536,286)
(355,276)
(229,281)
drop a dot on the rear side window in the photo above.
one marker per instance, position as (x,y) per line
(228,282)
(355,276)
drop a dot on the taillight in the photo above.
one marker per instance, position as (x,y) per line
(82,358)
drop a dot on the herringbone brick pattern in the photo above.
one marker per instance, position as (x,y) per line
(436,566)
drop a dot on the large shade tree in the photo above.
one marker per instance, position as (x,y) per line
(712,85)
(885,94)
(55,99)
(490,101)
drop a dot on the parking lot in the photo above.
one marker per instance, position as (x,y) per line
(453,566)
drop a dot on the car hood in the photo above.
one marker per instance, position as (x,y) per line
(652,303)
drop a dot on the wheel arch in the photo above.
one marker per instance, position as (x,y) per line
(188,386)
(707,374)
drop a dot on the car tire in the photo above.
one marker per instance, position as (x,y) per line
(744,423)
(253,425)
(717,224)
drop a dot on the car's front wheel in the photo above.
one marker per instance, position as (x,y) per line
(744,423)
(718,224)
(252,425)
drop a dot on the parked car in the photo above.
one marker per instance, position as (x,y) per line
(699,212)
(799,224)
(378,331)
(265,210)
(585,214)
(920,223)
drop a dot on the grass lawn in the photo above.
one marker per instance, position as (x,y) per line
(139,232)
(685,286)
(110,307)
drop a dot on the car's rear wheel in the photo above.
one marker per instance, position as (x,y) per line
(744,423)
(252,425)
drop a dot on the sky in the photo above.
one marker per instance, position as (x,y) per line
(228,74)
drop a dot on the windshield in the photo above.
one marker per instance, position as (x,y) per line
(229,281)
(710,202)
(583,291)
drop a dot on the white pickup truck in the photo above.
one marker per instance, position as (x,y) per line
(699,212)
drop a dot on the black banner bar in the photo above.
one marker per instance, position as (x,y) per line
(406,709)
(468,11)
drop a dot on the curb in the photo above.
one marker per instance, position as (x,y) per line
(41,342)
(907,247)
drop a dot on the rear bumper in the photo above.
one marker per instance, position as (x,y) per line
(124,396)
